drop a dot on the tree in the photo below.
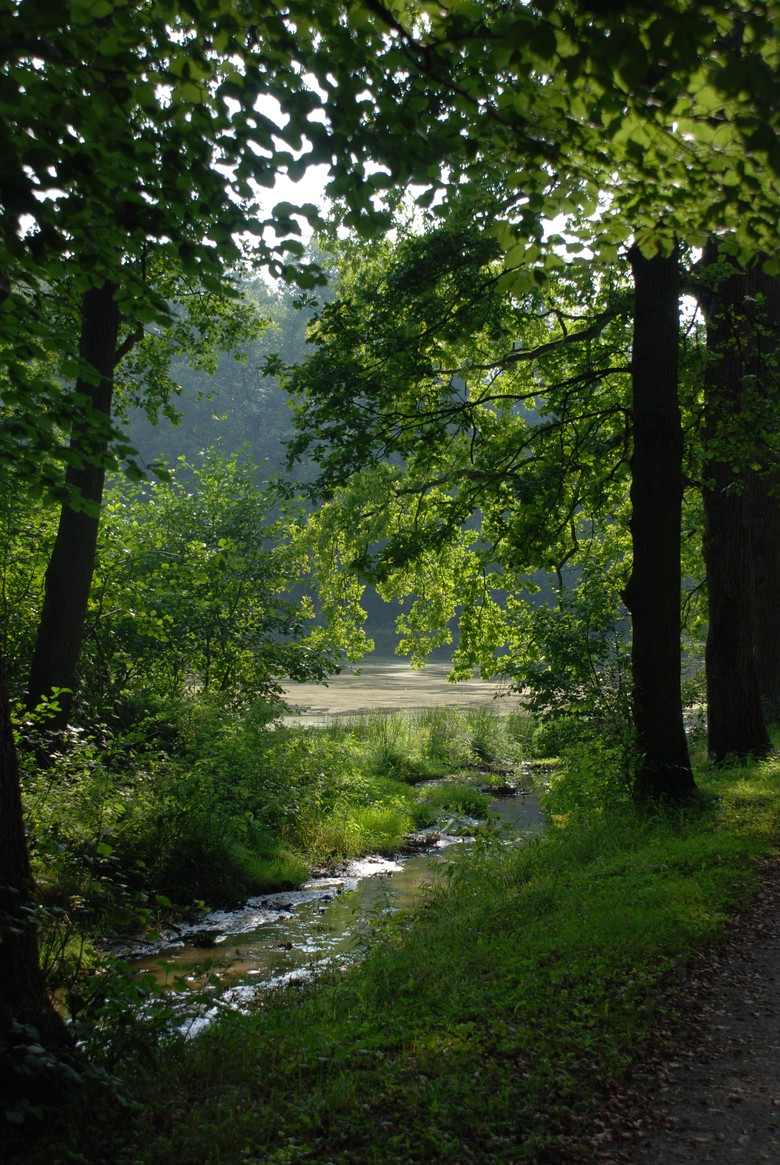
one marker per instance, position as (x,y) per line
(239,400)
(652,594)
(128,130)
(204,324)
(469,439)
(651,123)
(764,518)
(739,553)
(35,1045)
(199,588)
(69,574)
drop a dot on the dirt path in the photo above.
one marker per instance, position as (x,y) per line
(715,1098)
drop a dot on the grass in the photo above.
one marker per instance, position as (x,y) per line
(123,838)
(457,797)
(482,1029)
(358,829)
(230,807)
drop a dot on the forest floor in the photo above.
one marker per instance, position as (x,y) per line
(710,1093)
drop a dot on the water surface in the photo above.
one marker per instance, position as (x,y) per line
(274,940)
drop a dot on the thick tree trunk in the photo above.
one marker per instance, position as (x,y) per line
(69,574)
(27,1018)
(653,592)
(764,520)
(735,717)
(763,292)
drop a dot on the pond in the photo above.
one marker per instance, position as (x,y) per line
(391,685)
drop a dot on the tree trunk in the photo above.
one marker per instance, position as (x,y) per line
(653,591)
(735,717)
(69,574)
(27,1018)
(764,491)
(764,520)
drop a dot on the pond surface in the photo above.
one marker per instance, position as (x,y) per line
(391,685)
(279,939)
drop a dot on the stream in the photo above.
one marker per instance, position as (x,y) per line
(282,939)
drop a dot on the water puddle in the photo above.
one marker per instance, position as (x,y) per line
(275,940)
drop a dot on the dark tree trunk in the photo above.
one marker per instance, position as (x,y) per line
(735,717)
(27,1018)
(764,490)
(653,592)
(69,574)
(764,519)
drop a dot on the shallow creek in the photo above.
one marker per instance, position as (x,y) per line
(280,939)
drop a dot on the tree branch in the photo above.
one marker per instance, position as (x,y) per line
(128,344)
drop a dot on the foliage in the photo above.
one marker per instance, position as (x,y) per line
(481,437)
(427,348)
(203,326)
(130,132)
(475,445)
(654,124)
(154,130)
(571,659)
(200,587)
(201,803)
(26,533)
(454,1040)
(239,400)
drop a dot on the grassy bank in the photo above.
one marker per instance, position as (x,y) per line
(482,1029)
(199,808)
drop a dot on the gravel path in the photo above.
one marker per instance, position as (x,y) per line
(714,1098)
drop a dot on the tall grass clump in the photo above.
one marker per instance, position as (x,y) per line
(458,797)
(352,830)
(519,725)
(434,741)
(445,739)
(487,740)
(393,747)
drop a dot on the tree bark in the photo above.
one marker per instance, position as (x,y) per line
(69,573)
(653,591)
(764,520)
(732,538)
(763,292)
(27,1017)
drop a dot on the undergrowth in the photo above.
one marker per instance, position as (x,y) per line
(483,1027)
(199,807)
